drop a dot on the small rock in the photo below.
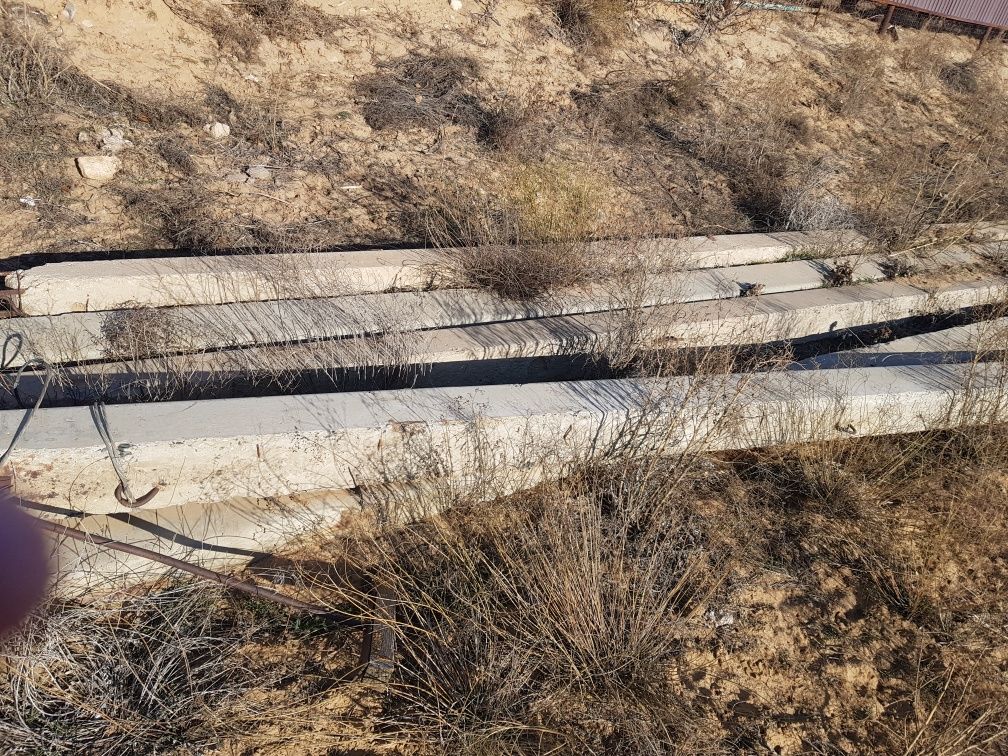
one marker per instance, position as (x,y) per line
(98,167)
(217,130)
(259,173)
(236,178)
(69,12)
(83,136)
(113,141)
(721,618)
(28,201)
(456,5)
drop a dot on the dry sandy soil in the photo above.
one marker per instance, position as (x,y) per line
(363,113)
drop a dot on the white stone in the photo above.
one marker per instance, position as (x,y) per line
(217,130)
(98,167)
(456,5)
(114,141)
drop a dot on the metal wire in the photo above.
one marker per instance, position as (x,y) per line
(30,413)
(123,493)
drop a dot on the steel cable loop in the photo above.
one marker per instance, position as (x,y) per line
(33,363)
(122,492)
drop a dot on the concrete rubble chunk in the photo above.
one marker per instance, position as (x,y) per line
(217,130)
(114,141)
(259,173)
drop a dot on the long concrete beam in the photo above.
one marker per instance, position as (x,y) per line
(985,339)
(207,451)
(77,337)
(55,288)
(318,366)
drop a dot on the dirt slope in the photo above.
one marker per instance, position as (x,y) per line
(362,112)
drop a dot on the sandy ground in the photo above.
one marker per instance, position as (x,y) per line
(333,179)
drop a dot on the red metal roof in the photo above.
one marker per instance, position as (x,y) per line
(982,12)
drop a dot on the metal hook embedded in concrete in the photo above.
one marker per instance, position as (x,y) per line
(122,492)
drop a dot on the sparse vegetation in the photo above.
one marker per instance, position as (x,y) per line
(961,78)
(859,72)
(594,24)
(715,17)
(524,237)
(261,123)
(838,597)
(505,127)
(168,671)
(239,29)
(37,75)
(619,607)
(428,91)
(629,110)
(141,332)
(550,622)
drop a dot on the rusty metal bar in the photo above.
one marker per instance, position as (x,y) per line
(378,645)
(233,583)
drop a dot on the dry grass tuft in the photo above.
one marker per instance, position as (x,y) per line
(163,671)
(289,19)
(527,237)
(177,668)
(903,194)
(35,74)
(711,17)
(260,123)
(961,78)
(755,151)
(923,57)
(629,110)
(139,332)
(549,623)
(858,73)
(182,215)
(175,151)
(809,203)
(594,24)
(426,91)
(506,126)
(239,28)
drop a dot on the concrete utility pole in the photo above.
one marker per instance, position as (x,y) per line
(886,20)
